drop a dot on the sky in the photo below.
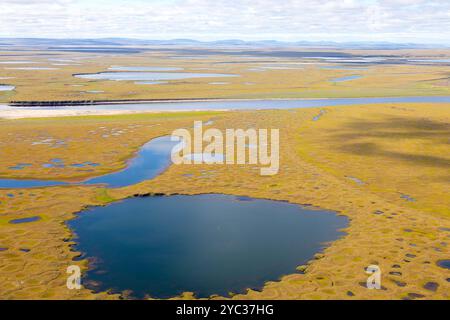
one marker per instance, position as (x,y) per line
(401,21)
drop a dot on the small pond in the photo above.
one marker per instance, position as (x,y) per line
(120,68)
(347,78)
(151,159)
(4,87)
(444,264)
(151,82)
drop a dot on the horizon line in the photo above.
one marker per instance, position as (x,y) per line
(230,39)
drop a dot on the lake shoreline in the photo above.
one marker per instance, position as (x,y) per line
(61,103)
(184,105)
(31,114)
(303,211)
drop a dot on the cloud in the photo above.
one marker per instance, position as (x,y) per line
(394,20)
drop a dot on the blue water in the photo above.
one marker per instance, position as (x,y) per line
(444,264)
(20,166)
(53,165)
(430,60)
(209,105)
(150,82)
(17,62)
(346,78)
(4,87)
(246,104)
(94,91)
(153,76)
(151,160)
(85,164)
(138,68)
(19,183)
(342,67)
(206,244)
(25,220)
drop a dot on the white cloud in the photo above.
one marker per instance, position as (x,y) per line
(394,20)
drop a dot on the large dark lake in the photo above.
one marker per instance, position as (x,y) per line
(206,244)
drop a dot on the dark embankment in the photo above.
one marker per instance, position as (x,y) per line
(58,103)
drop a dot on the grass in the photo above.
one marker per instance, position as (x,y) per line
(359,161)
(123,117)
(392,148)
(306,81)
(108,140)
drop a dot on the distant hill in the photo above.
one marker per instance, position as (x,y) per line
(120,42)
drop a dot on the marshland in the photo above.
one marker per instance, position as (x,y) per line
(363,174)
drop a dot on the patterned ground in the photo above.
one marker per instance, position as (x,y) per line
(383,166)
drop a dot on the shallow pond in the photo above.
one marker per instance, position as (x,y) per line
(151,159)
(217,105)
(347,78)
(150,76)
(25,220)
(206,244)
(205,157)
(4,87)
(151,82)
(27,183)
(94,91)
(242,104)
(20,166)
(444,264)
(120,68)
